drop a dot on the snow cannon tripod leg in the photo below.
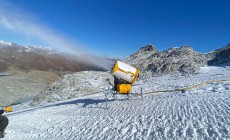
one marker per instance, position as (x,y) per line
(114,95)
(141,93)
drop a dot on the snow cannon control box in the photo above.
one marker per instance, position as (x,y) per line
(124,76)
(124,88)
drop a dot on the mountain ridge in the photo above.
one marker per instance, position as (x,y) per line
(29,58)
(184,59)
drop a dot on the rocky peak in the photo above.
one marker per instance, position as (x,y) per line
(141,55)
(183,59)
(148,48)
(184,50)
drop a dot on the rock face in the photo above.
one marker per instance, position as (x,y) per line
(154,63)
(220,56)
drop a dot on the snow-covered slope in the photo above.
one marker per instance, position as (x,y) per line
(74,85)
(199,113)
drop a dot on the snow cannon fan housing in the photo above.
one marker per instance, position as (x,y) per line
(124,76)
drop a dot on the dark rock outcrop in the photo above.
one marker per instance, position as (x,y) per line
(220,56)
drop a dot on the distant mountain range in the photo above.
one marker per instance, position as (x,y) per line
(149,61)
(184,59)
(40,58)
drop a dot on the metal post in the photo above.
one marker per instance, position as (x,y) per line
(61,73)
(61,70)
(141,93)
(114,94)
(106,100)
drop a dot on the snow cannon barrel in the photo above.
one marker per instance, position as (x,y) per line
(125,72)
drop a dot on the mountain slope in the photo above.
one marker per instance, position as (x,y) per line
(151,62)
(39,58)
(220,56)
(23,85)
(183,59)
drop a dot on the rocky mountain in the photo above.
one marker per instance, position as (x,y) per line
(220,56)
(184,59)
(40,58)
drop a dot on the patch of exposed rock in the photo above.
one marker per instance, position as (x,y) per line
(74,85)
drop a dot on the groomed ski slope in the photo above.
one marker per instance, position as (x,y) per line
(201,113)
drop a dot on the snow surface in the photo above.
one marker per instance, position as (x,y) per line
(27,49)
(200,113)
(5,43)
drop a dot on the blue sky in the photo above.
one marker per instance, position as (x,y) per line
(116,27)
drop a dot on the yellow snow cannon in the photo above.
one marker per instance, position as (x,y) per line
(124,76)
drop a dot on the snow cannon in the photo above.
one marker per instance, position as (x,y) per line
(124,76)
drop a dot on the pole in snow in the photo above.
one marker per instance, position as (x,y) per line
(106,100)
(61,72)
(141,93)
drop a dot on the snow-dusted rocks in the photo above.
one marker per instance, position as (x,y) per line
(75,85)
(183,59)
(3,43)
(153,63)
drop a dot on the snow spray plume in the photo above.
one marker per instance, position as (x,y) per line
(18,21)
(105,63)
(92,59)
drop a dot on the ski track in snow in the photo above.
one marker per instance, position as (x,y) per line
(201,113)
